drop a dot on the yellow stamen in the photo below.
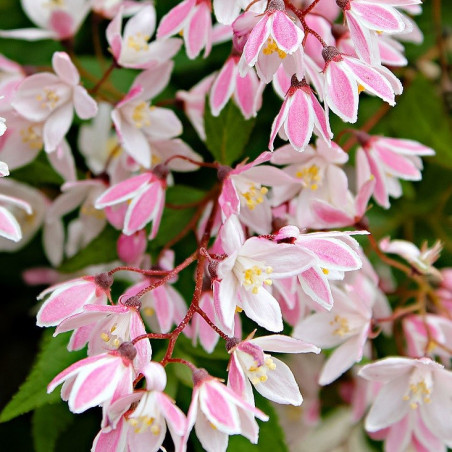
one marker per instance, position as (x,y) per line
(310,176)
(272,47)
(138,42)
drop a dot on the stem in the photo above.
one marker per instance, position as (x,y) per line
(182,361)
(139,270)
(195,162)
(210,323)
(151,336)
(168,276)
(310,7)
(103,78)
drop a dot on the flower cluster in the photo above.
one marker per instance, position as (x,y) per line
(275,269)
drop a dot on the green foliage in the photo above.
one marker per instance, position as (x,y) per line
(101,250)
(48,422)
(228,134)
(52,359)
(38,173)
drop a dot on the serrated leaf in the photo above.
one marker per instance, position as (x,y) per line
(99,251)
(52,359)
(227,134)
(420,115)
(48,422)
(271,436)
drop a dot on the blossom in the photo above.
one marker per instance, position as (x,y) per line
(97,379)
(274,40)
(246,91)
(410,384)
(250,266)
(193,18)
(300,114)
(421,259)
(50,98)
(226,11)
(269,376)
(147,195)
(133,49)
(208,338)
(388,160)
(345,77)
(57,20)
(69,298)
(137,123)
(217,412)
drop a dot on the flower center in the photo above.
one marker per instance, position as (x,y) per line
(141,423)
(254,196)
(255,276)
(310,176)
(272,47)
(49,99)
(31,137)
(54,4)
(111,340)
(342,326)
(138,42)
(140,115)
(258,374)
(418,393)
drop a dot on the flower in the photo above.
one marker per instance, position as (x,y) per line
(420,385)
(51,99)
(217,411)
(133,48)
(270,377)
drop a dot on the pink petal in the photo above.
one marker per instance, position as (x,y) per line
(256,40)
(321,120)
(65,69)
(174,416)
(62,23)
(378,17)
(287,35)
(174,21)
(56,126)
(300,121)
(123,191)
(364,40)
(247,94)
(284,344)
(341,92)
(141,210)
(315,284)
(279,121)
(330,215)
(9,227)
(398,165)
(84,104)
(223,87)
(196,34)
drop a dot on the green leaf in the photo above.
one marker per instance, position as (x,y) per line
(183,194)
(227,134)
(271,436)
(52,359)
(101,250)
(420,115)
(48,422)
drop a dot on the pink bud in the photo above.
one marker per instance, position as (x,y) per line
(131,247)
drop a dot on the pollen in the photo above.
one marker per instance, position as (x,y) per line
(238,309)
(255,276)
(272,47)
(418,393)
(258,374)
(54,4)
(140,115)
(138,42)
(149,311)
(343,327)
(360,88)
(105,337)
(30,137)
(254,196)
(141,423)
(325,271)
(49,99)
(310,176)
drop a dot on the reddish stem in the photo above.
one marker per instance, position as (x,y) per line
(195,162)
(139,270)
(103,78)
(182,361)
(210,323)
(151,336)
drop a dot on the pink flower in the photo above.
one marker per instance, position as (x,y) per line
(420,385)
(69,298)
(137,123)
(133,49)
(109,8)
(367,17)
(226,11)
(193,19)
(146,193)
(105,328)
(217,412)
(244,194)
(57,20)
(247,90)
(131,248)
(97,379)
(388,160)
(421,259)
(345,77)
(330,255)
(300,114)
(270,377)
(208,338)
(51,98)
(274,40)
(347,325)
(250,266)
